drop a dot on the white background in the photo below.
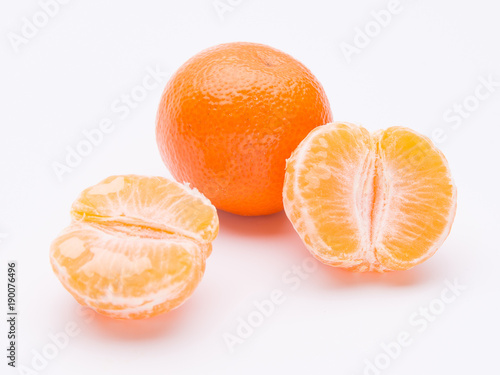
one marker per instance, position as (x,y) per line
(65,79)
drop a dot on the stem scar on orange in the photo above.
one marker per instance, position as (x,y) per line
(230,117)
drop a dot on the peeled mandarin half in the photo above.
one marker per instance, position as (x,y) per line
(136,246)
(369,202)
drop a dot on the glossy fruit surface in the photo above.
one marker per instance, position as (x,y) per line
(230,117)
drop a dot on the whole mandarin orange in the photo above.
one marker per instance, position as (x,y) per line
(230,117)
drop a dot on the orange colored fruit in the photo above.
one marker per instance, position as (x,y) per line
(136,246)
(231,116)
(369,202)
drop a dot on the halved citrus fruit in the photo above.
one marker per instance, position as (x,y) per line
(369,202)
(136,246)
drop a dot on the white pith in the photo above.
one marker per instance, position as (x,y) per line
(367,207)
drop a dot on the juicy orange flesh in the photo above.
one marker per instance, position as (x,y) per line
(369,202)
(98,261)
(422,198)
(326,185)
(146,201)
(130,266)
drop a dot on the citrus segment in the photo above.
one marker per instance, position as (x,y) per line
(154,202)
(420,201)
